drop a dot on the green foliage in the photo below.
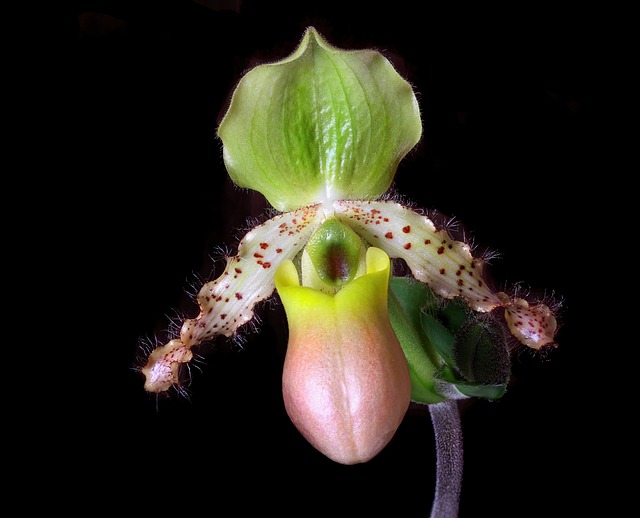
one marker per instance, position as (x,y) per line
(447,344)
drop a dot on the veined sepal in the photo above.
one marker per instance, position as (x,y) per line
(322,124)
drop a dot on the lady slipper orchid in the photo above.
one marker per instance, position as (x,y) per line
(321,134)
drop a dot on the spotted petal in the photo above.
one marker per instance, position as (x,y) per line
(227,302)
(443,263)
(434,258)
(534,326)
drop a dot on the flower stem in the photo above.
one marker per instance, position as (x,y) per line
(445,418)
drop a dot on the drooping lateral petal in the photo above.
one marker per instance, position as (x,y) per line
(434,258)
(443,263)
(227,302)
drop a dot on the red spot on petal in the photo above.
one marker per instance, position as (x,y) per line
(239,296)
(223,316)
(441,250)
(407,246)
(266,265)
(278,250)
(238,270)
(389,235)
(443,271)
(258,255)
(406,229)
(264,246)
(427,241)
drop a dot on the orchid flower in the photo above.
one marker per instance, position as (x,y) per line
(320,134)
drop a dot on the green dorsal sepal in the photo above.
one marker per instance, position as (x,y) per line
(323,124)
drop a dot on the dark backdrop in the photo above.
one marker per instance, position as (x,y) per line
(512,118)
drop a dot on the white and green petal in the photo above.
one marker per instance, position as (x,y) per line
(434,258)
(444,264)
(227,302)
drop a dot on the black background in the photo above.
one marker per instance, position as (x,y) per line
(513,115)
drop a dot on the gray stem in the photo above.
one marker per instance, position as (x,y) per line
(445,418)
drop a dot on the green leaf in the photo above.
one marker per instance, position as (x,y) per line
(487,391)
(481,354)
(416,295)
(323,124)
(483,391)
(406,298)
(439,336)
(455,314)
